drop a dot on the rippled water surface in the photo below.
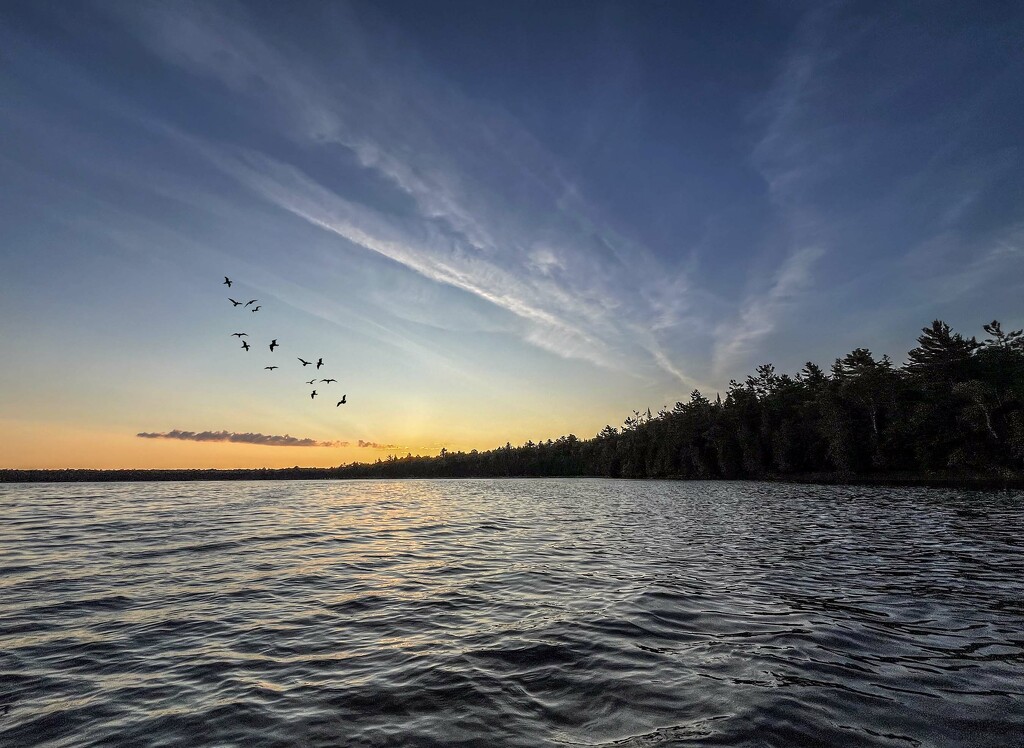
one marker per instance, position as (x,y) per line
(509,612)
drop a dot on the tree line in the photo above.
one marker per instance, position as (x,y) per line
(955,410)
(955,407)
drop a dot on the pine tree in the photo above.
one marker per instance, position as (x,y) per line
(942,357)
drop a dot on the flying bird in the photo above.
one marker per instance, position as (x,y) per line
(240,334)
(311,381)
(328,380)
(251,301)
(314,395)
(319,363)
(236,303)
(245,345)
(255,308)
(271,368)
(274,344)
(227,282)
(342,401)
(304,361)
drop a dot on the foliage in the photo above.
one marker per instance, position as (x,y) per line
(957,405)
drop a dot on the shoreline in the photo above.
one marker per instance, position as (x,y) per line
(949,481)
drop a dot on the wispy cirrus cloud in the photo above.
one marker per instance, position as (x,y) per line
(762,312)
(268,440)
(368,144)
(789,158)
(880,194)
(470,199)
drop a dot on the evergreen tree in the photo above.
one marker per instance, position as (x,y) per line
(956,405)
(942,357)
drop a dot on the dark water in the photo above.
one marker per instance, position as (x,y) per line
(528,613)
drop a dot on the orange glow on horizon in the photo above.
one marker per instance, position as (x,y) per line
(38,446)
(33,445)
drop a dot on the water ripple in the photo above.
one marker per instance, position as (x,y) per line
(509,613)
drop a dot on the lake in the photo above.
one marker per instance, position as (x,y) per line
(569,612)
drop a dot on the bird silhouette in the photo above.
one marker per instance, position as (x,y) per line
(274,344)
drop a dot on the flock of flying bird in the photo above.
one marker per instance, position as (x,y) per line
(274,344)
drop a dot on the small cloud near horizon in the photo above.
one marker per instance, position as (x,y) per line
(270,440)
(375,445)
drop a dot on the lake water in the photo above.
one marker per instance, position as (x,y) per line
(509,613)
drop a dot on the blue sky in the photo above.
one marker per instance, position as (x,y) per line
(494,221)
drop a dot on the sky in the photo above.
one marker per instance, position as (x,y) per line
(493,221)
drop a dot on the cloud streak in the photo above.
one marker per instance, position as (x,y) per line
(476,203)
(347,130)
(762,312)
(898,199)
(375,445)
(267,440)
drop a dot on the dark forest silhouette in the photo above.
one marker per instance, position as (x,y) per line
(956,408)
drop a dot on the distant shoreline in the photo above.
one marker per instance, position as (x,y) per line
(969,482)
